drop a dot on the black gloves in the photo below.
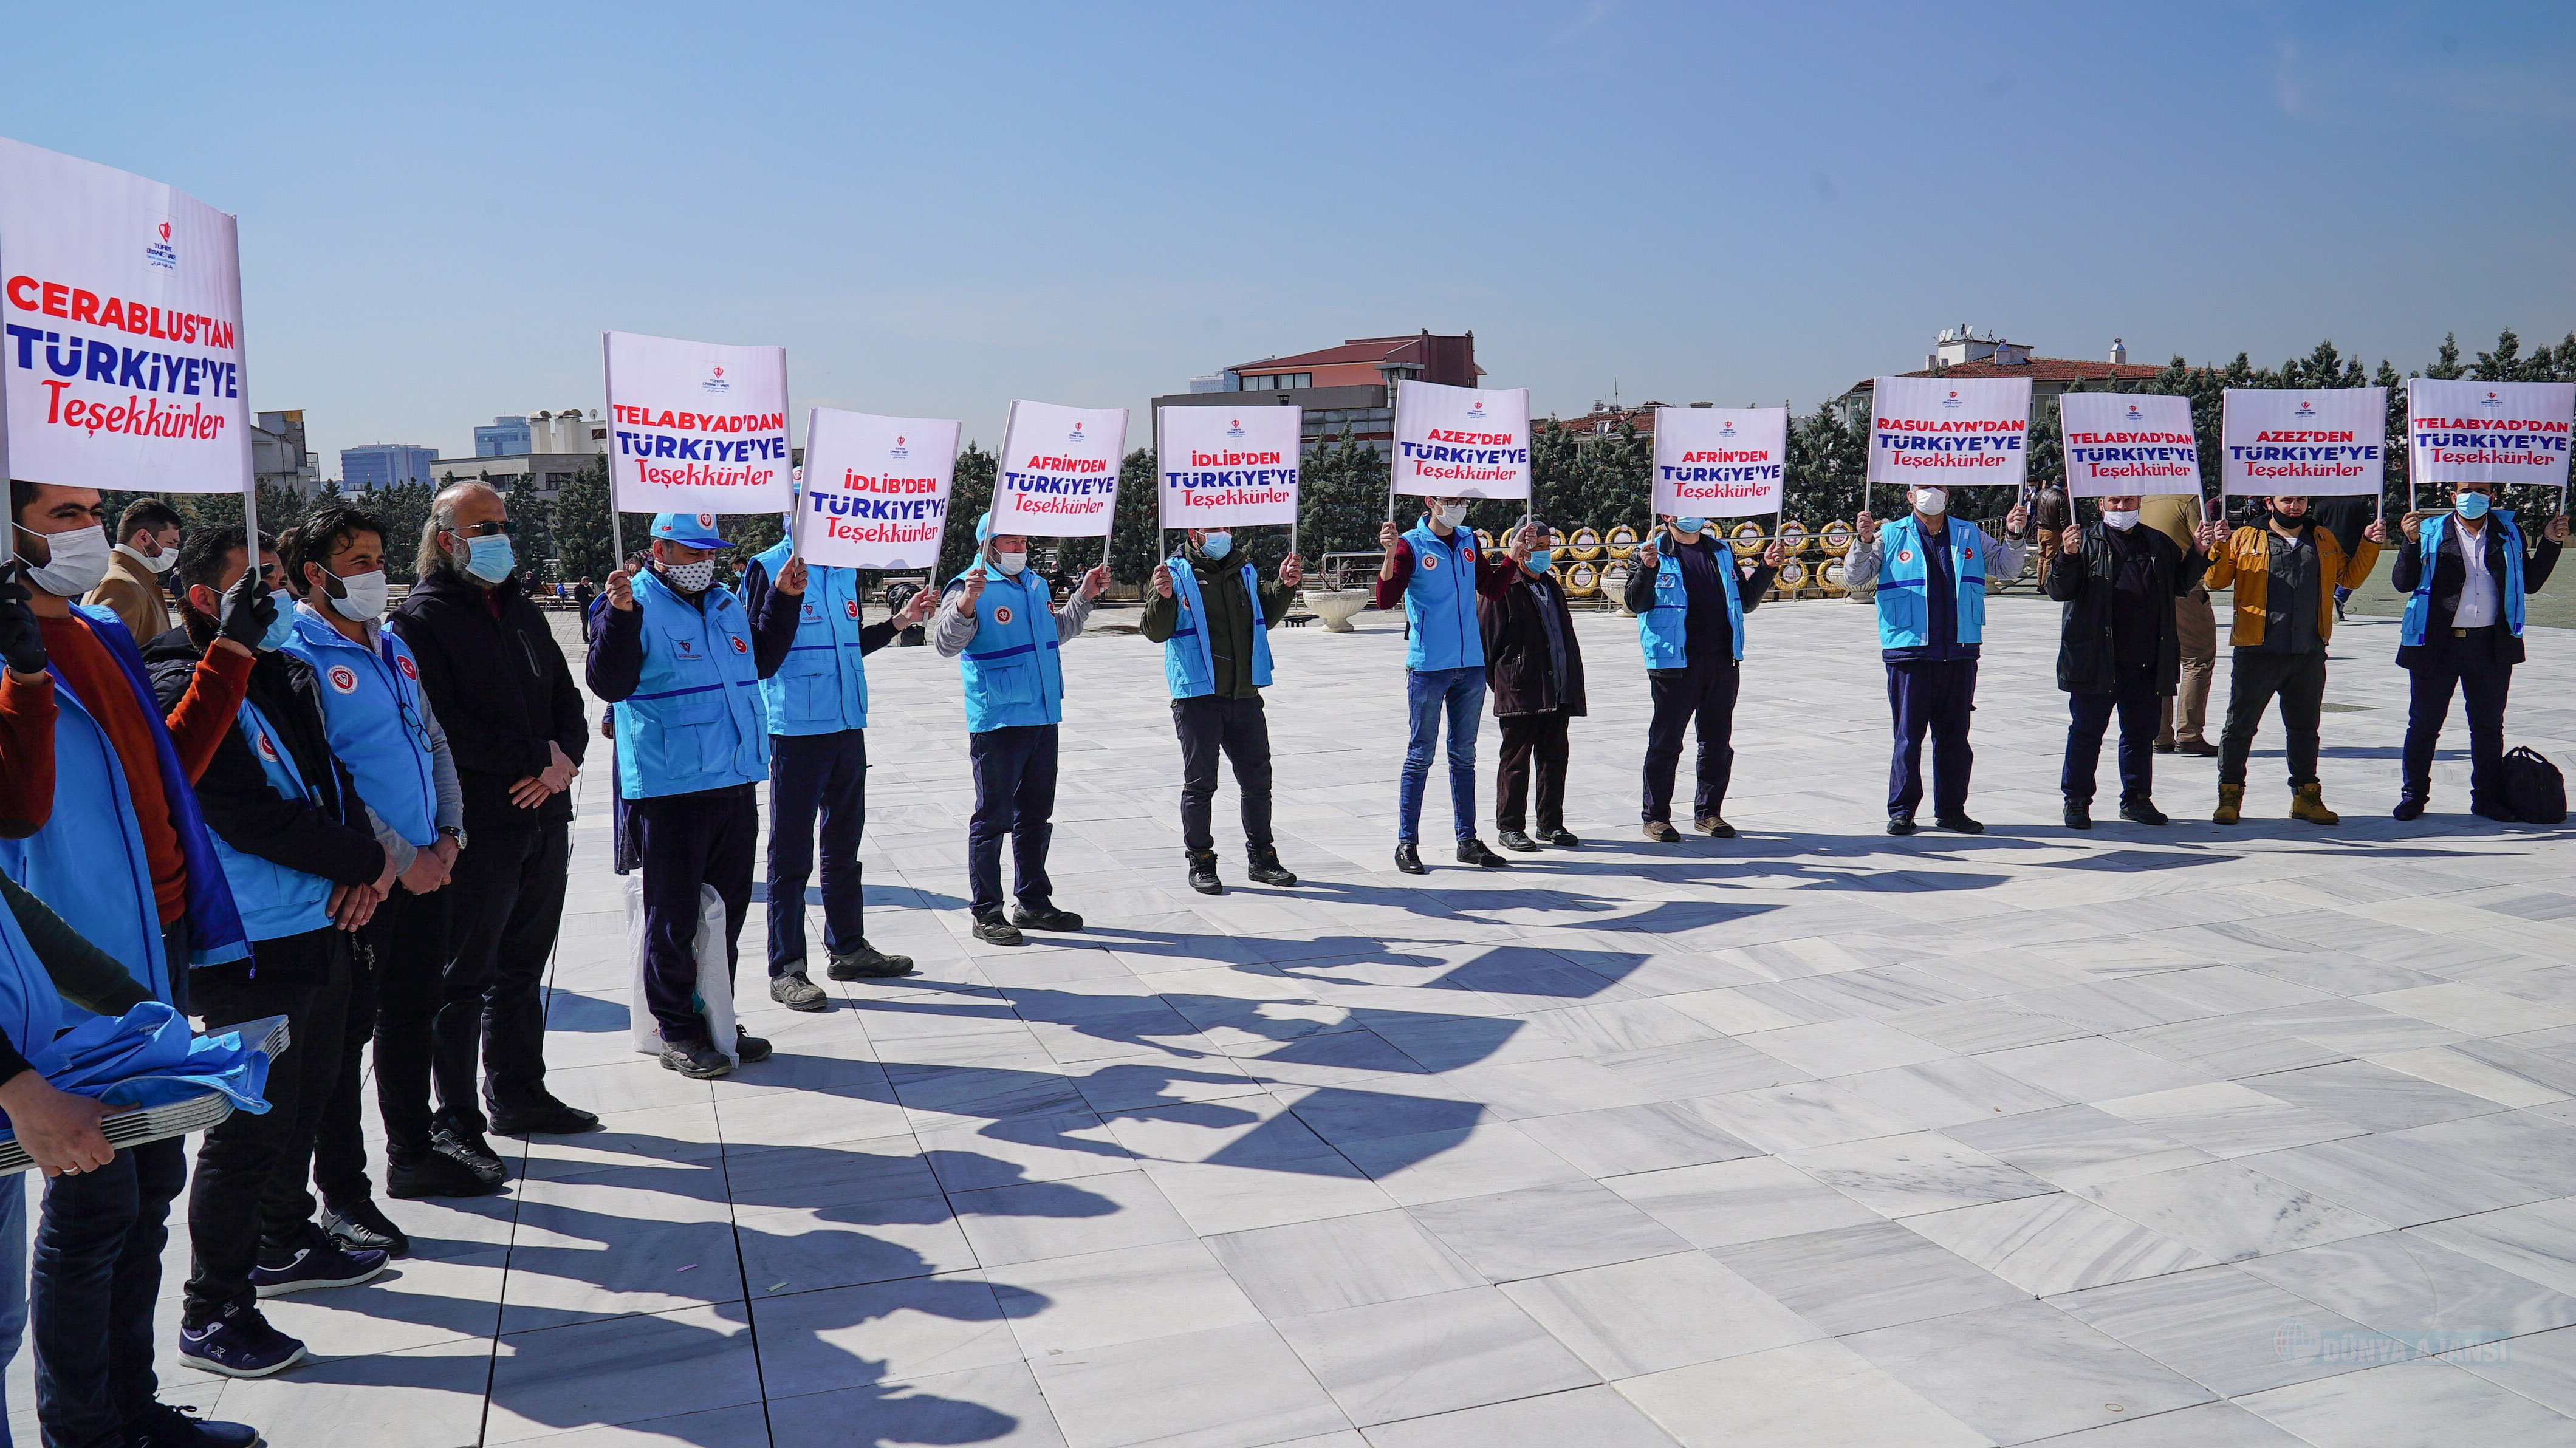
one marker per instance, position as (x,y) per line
(248,611)
(22,643)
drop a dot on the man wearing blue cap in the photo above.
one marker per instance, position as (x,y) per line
(681,664)
(989,621)
(817,704)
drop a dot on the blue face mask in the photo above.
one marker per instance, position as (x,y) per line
(1693,527)
(283,628)
(490,558)
(2473,506)
(1540,557)
(1217,545)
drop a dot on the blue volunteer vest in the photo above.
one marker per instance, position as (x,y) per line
(1189,660)
(694,721)
(2419,604)
(88,862)
(1440,630)
(1904,618)
(275,901)
(371,707)
(1010,668)
(1663,629)
(822,688)
(31,1011)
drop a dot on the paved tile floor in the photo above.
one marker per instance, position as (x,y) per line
(2142,1137)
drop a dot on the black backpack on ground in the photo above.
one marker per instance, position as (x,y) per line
(2533,788)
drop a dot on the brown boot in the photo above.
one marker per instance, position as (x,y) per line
(2308,803)
(2231,804)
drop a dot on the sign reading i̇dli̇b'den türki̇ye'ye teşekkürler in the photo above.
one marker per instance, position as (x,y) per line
(875,493)
(696,427)
(1228,467)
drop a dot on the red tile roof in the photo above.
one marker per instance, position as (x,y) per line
(1358,349)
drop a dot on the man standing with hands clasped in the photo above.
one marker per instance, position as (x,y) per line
(1931,571)
(1690,599)
(1213,619)
(2120,647)
(2465,577)
(1435,569)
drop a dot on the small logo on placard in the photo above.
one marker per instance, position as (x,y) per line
(159,253)
(715,382)
(343,679)
(1476,407)
(898,450)
(1076,434)
(2492,401)
(1726,428)
(1952,400)
(2135,415)
(2303,410)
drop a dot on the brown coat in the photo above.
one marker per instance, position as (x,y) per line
(2245,561)
(134,594)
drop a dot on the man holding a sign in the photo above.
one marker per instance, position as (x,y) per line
(2119,649)
(2465,574)
(1213,619)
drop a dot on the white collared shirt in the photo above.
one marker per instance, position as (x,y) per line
(2478,585)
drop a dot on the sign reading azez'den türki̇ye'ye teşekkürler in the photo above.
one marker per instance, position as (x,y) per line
(1058,475)
(2127,444)
(1228,467)
(2277,442)
(123,357)
(696,427)
(1719,462)
(1943,432)
(876,489)
(1461,442)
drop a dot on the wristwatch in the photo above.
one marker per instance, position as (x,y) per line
(454,832)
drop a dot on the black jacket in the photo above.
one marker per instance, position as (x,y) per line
(2451,574)
(2086,660)
(1519,667)
(501,689)
(331,840)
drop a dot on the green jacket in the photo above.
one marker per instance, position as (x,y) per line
(1229,623)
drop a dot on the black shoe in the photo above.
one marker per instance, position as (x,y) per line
(1959,824)
(1472,851)
(469,1149)
(2163,746)
(1045,917)
(237,1343)
(316,1261)
(365,1227)
(749,1047)
(994,930)
(436,1174)
(797,993)
(1265,868)
(1515,840)
(2142,812)
(1714,827)
(1203,874)
(696,1060)
(1900,824)
(2409,807)
(1560,837)
(1409,860)
(2079,816)
(1660,831)
(2197,749)
(867,963)
(544,1116)
(164,1426)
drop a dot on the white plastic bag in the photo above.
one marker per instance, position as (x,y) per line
(715,982)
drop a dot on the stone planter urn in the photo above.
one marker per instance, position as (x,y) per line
(1335,608)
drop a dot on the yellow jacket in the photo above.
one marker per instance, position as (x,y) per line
(2246,562)
(134,594)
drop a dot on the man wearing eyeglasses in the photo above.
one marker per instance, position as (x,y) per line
(501,686)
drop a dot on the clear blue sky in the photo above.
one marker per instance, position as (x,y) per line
(937,208)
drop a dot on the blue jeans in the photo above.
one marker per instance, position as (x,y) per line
(13,1280)
(1426,691)
(98,1274)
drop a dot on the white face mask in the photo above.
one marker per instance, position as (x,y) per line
(161,562)
(1931,502)
(1454,514)
(2123,519)
(79,561)
(690,578)
(1010,563)
(365,600)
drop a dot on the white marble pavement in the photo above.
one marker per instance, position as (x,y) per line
(2142,1137)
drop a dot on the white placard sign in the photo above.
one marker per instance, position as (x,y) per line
(1058,476)
(875,492)
(1946,432)
(2304,444)
(696,427)
(1719,462)
(2122,445)
(2495,432)
(123,359)
(1461,442)
(1224,467)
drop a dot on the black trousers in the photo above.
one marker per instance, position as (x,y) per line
(340,1145)
(2135,698)
(811,775)
(409,936)
(505,907)
(1240,730)
(1939,696)
(2254,680)
(689,840)
(1534,744)
(2470,668)
(1701,695)
(1014,798)
(249,1190)
(97,1275)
